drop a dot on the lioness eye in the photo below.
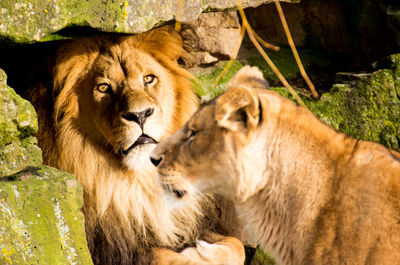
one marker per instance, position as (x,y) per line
(148,79)
(104,88)
(190,134)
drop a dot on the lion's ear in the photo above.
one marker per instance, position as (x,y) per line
(238,108)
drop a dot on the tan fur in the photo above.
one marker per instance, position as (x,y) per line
(221,251)
(84,131)
(306,193)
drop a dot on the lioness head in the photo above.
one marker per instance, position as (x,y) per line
(124,94)
(203,156)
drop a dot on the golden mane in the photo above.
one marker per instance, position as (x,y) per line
(124,209)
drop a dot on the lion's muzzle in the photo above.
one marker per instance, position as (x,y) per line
(143,139)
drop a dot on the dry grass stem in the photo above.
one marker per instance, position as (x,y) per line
(266,58)
(294,50)
(229,64)
(263,42)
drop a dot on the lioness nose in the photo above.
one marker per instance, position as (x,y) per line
(156,161)
(138,117)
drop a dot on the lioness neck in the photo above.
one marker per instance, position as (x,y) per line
(282,214)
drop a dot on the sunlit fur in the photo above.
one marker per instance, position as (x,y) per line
(81,132)
(306,193)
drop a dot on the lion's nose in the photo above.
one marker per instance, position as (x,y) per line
(138,117)
(156,161)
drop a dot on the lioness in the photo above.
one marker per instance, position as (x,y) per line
(110,101)
(306,193)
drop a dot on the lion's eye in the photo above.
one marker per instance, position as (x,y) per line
(190,134)
(149,79)
(104,88)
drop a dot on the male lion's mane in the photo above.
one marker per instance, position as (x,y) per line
(124,210)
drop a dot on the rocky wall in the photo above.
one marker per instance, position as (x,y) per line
(40,207)
(364,105)
(24,21)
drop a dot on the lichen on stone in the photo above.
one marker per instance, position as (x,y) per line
(365,106)
(27,21)
(18,125)
(40,219)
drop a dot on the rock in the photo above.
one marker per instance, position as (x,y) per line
(212,37)
(41,220)
(365,106)
(28,20)
(18,125)
(40,207)
(352,33)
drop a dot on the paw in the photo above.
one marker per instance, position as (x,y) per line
(193,254)
(219,253)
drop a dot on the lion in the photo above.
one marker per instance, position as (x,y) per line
(112,99)
(305,192)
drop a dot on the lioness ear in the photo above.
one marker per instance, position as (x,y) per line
(238,108)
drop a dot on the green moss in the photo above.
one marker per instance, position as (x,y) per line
(18,118)
(18,124)
(40,219)
(19,155)
(207,76)
(261,258)
(34,20)
(367,108)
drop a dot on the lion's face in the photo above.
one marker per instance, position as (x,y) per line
(129,96)
(218,150)
(128,104)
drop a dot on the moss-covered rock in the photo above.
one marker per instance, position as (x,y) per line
(366,107)
(40,219)
(206,77)
(40,207)
(33,20)
(18,125)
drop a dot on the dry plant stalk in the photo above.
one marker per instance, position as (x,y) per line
(255,39)
(294,50)
(264,43)
(229,64)
(266,58)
